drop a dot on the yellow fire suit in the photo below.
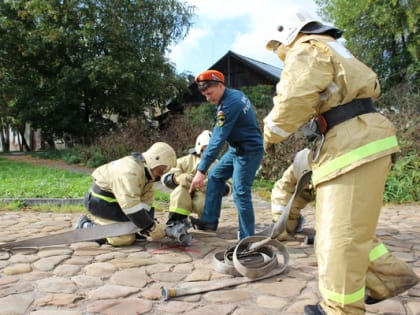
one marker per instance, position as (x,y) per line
(349,175)
(181,200)
(131,183)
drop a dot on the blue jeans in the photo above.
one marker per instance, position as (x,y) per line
(242,169)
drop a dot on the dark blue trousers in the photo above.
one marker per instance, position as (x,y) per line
(242,169)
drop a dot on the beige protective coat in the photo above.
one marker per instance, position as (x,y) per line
(349,175)
(126,179)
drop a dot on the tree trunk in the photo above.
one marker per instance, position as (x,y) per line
(24,144)
(4,138)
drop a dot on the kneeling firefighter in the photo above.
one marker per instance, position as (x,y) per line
(322,84)
(283,190)
(122,190)
(182,202)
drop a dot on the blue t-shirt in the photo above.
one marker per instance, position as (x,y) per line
(235,123)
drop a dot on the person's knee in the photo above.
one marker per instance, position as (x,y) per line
(122,240)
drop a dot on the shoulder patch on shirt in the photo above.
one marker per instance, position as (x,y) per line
(220,118)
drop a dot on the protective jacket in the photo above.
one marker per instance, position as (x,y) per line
(130,182)
(320,74)
(122,190)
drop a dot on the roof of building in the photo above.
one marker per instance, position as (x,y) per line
(257,65)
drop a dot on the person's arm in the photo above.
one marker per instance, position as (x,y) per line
(225,123)
(306,75)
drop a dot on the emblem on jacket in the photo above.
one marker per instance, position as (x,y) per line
(220,118)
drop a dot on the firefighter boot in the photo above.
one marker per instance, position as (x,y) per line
(314,310)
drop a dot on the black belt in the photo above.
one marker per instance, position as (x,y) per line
(97,190)
(344,112)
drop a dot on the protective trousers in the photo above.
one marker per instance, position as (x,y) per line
(350,257)
(183,202)
(282,191)
(242,169)
(91,202)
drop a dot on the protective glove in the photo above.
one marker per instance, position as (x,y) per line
(157,232)
(184,180)
(269,149)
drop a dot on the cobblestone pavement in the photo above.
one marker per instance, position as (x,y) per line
(85,278)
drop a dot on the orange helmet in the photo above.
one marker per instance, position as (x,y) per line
(205,78)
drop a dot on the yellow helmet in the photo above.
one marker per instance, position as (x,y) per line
(202,140)
(160,153)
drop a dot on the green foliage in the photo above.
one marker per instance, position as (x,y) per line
(403,182)
(382,33)
(68,66)
(261,96)
(22,180)
(26,181)
(161,201)
(202,116)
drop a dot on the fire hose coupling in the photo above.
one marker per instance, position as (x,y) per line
(178,230)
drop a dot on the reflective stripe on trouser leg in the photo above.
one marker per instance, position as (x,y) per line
(121,240)
(387,276)
(347,211)
(180,201)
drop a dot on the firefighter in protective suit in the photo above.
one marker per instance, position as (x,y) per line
(122,190)
(325,87)
(179,178)
(282,192)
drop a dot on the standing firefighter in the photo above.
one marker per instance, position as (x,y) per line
(182,201)
(122,190)
(324,84)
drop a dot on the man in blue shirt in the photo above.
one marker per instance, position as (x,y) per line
(235,123)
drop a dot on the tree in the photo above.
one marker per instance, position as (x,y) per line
(73,64)
(382,33)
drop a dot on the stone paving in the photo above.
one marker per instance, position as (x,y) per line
(85,278)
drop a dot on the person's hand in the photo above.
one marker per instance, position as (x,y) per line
(269,149)
(198,181)
(184,180)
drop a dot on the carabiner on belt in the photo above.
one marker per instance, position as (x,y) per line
(316,147)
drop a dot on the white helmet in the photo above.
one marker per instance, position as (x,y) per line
(160,153)
(202,140)
(298,20)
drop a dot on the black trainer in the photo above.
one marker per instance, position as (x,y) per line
(140,237)
(314,310)
(84,222)
(203,226)
(370,300)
